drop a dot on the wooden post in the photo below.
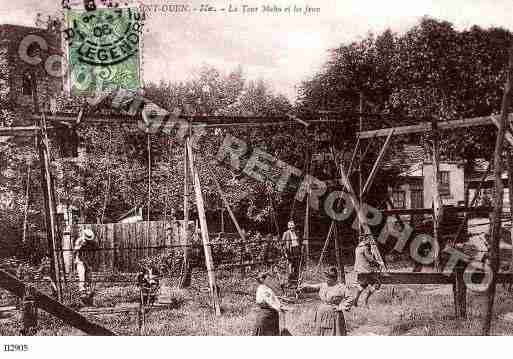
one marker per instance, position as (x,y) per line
(185,280)
(204,230)
(148,149)
(497,201)
(360,192)
(29,312)
(460,293)
(509,155)
(46,210)
(48,194)
(437,202)
(306,228)
(50,214)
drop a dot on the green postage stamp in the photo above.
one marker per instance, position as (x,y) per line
(104,48)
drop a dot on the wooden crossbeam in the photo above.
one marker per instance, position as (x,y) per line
(409,278)
(415,211)
(19,131)
(67,315)
(196,121)
(423,278)
(444,125)
(209,121)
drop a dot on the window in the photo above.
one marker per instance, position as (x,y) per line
(417,199)
(399,199)
(445,188)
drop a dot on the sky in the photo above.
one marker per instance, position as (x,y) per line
(283,49)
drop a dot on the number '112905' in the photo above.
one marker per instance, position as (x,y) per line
(16,347)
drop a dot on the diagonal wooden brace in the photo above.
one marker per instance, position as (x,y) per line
(377,164)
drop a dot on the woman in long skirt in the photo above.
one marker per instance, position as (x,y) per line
(335,299)
(268,308)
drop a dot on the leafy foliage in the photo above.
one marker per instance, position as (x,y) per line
(122,155)
(431,71)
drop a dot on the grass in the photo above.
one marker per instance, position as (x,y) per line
(400,310)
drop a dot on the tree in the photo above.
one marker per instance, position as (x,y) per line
(122,155)
(430,71)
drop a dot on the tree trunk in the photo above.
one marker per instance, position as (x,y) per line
(498,198)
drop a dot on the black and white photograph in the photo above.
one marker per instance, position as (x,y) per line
(282,168)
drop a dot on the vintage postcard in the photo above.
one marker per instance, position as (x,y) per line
(255,168)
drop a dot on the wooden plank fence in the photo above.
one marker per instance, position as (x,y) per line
(123,245)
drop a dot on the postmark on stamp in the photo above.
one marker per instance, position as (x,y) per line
(103,49)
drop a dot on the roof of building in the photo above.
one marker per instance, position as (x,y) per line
(132,212)
(407,160)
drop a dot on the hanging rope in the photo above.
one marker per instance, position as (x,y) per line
(168,177)
(27,200)
(325,247)
(148,143)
